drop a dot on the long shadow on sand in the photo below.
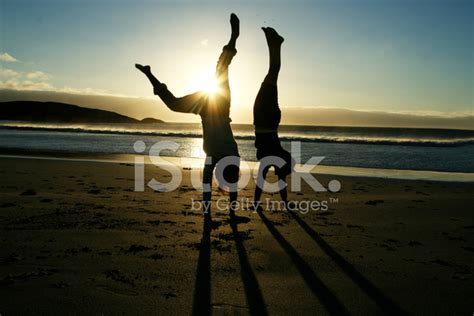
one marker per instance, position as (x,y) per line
(319,289)
(253,293)
(383,302)
(202,288)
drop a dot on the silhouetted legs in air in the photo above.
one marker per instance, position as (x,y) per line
(214,110)
(267,116)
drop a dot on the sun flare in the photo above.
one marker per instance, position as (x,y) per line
(210,86)
(206,82)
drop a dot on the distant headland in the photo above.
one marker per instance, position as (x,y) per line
(55,112)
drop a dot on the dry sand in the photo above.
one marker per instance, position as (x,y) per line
(76,239)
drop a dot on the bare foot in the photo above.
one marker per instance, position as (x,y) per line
(144,69)
(273,38)
(235,25)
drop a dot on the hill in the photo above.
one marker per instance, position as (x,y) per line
(55,112)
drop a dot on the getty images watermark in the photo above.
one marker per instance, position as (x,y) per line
(302,173)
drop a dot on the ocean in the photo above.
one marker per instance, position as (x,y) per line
(385,148)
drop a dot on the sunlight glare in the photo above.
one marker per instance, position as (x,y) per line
(205,82)
(210,86)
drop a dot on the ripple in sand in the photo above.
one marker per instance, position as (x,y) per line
(124,292)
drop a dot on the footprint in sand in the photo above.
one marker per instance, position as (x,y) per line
(117,276)
(157,222)
(124,292)
(156,256)
(374,202)
(60,285)
(229,309)
(414,243)
(168,295)
(29,192)
(422,193)
(355,226)
(137,248)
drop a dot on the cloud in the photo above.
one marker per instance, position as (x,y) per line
(204,42)
(38,80)
(5,72)
(39,75)
(20,84)
(88,91)
(33,75)
(7,57)
(25,85)
(35,80)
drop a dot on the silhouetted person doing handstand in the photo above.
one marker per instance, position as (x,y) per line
(214,110)
(266,119)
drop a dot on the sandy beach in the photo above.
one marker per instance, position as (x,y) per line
(77,239)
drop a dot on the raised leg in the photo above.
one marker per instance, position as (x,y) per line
(191,103)
(274,41)
(235,30)
(159,88)
(228,52)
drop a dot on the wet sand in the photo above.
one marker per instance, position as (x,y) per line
(76,238)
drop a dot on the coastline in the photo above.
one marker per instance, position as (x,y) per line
(400,174)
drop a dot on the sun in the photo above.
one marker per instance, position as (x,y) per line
(210,86)
(205,81)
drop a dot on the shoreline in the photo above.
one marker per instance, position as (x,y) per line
(186,162)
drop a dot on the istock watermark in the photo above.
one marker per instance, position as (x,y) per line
(246,204)
(301,173)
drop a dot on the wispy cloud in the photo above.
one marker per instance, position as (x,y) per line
(39,75)
(32,75)
(30,85)
(37,80)
(9,73)
(86,91)
(7,57)
(204,42)
(34,80)
(25,85)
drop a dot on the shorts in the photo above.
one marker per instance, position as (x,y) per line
(230,172)
(268,144)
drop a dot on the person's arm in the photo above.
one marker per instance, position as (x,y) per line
(283,191)
(259,186)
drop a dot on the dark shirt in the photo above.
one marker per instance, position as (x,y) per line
(218,139)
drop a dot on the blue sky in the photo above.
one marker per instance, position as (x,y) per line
(413,56)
